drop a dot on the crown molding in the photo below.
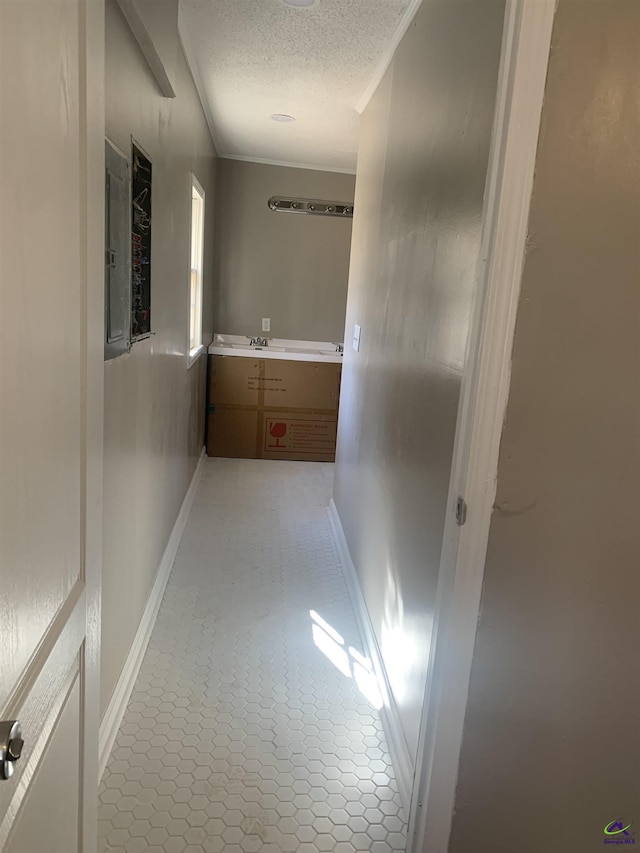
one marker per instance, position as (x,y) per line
(146,44)
(385,60)
(192,65)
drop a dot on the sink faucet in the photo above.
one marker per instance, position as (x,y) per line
(258,342)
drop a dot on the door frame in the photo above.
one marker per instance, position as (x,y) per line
(92,41)
(483,400)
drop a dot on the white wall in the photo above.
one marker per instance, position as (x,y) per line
(290,268)
(154,405)
(422,168)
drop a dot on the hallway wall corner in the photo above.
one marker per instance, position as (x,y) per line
(154,396)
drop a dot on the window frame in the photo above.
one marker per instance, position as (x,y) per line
(195,345)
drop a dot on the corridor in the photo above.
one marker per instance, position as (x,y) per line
(253,724)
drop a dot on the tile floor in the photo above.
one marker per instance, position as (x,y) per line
(247,730)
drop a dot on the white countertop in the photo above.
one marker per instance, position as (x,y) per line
(281,348)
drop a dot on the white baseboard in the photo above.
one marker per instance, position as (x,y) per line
(403,764)
(120,698)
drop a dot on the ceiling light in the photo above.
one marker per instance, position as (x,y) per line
(300,4)
(281,117)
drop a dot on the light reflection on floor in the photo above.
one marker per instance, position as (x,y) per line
(350,662)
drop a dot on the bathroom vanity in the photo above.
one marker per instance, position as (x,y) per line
(278,401)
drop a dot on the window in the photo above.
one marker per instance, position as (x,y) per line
(195,274)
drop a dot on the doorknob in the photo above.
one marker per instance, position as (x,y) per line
(11,744)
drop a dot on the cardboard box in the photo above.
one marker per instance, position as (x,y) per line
(272,409)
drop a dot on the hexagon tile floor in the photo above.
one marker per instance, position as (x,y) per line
(246,729)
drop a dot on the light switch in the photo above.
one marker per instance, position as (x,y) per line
(266,324)
(356,338)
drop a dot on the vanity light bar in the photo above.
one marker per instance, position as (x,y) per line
(312,206)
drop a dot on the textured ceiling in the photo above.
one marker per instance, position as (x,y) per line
(252,58)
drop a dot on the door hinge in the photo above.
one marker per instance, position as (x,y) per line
(461,511)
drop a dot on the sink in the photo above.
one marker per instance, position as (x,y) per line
(294,350)
(249,347)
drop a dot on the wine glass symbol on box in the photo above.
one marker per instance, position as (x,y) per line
(278,430)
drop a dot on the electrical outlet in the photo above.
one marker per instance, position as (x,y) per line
(266,324)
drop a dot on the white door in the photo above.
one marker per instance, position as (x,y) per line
(51,349)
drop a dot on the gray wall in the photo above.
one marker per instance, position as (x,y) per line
(154,405)
(419,195)
(288,267)
(551,745)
